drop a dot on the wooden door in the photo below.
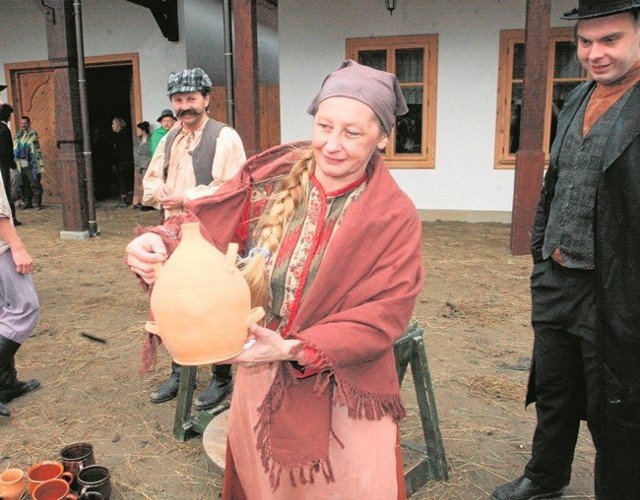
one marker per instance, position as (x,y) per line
(35,98)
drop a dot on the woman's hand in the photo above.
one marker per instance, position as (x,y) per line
(144,253)
(265,346)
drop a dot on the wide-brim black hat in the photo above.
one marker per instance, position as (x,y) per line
(588,9)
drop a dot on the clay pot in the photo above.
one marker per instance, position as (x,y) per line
(201,303)
(44,471)
(12,484)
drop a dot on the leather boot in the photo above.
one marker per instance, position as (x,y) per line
(168,390)
(10,387)
(4,411)
(27,204)
(38,201)
(220,386)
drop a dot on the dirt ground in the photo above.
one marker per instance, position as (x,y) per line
(474,310)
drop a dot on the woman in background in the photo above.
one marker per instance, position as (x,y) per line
(141,159)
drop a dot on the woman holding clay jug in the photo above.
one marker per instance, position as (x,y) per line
(337,258)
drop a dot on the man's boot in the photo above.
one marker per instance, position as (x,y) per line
(4,411)
(220,386)
(27,203)
(168,390)
(10,386)
(38,201)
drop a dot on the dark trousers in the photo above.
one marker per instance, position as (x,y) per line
(31,186)
(565,375)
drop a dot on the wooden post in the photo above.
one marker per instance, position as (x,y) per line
(63,58)
(247,100)
(530,157)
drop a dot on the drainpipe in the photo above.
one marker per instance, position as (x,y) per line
(84,114)
(228,61)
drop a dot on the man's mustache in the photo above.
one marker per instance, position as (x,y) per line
(183,112)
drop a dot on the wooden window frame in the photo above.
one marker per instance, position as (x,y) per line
(429,83)
(508,39)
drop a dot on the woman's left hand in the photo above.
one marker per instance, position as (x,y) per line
(264,346)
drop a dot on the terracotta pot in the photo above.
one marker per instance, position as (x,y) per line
(201,303)
(12,484)
(44,471)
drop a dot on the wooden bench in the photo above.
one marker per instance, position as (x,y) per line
(428,460)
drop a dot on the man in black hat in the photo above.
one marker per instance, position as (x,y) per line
(166,121)
(585,283)
(192,160)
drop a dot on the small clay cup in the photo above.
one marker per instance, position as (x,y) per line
(53,489)
(44,471)
(95,478)
(12,484)
(76,457)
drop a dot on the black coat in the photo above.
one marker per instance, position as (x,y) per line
(617,257)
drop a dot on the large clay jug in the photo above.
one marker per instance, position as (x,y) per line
(201,303)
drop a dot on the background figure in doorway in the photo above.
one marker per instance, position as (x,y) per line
(101,155)
(141,159)
(29,158)
(122,162)
(7,159)
(166,121)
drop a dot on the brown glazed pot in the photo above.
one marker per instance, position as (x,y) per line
(201,303)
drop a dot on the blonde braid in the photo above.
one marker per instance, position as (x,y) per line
(272,225)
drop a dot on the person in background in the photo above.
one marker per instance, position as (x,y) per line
(585,284)
(7,158)
(166,121)
(192,160)
(336,246)
(19,305)
(141,159)
(122,162)
(29,157)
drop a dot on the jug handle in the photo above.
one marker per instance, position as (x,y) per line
(255,315)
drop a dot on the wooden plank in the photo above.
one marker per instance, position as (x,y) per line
(247,105)
(530,157)
(63,58)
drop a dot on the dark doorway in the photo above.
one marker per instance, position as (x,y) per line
(108,96)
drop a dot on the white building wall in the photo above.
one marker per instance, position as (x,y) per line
(110,27)
(312,44)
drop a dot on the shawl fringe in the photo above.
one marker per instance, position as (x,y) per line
(359,405)
(368,405)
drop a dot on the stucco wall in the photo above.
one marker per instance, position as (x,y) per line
(312,44)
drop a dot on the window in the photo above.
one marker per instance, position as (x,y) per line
(564,74)
(413,59)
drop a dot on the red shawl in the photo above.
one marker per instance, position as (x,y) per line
(359,304)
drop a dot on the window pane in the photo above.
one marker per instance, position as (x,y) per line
(566,64)
(374,58)
(560,93)
(516,114)
(410,65)
(409,126)
(518,61)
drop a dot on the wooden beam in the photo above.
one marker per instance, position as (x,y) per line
(63,59)
(247,95)
(530,157)
(165,12)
